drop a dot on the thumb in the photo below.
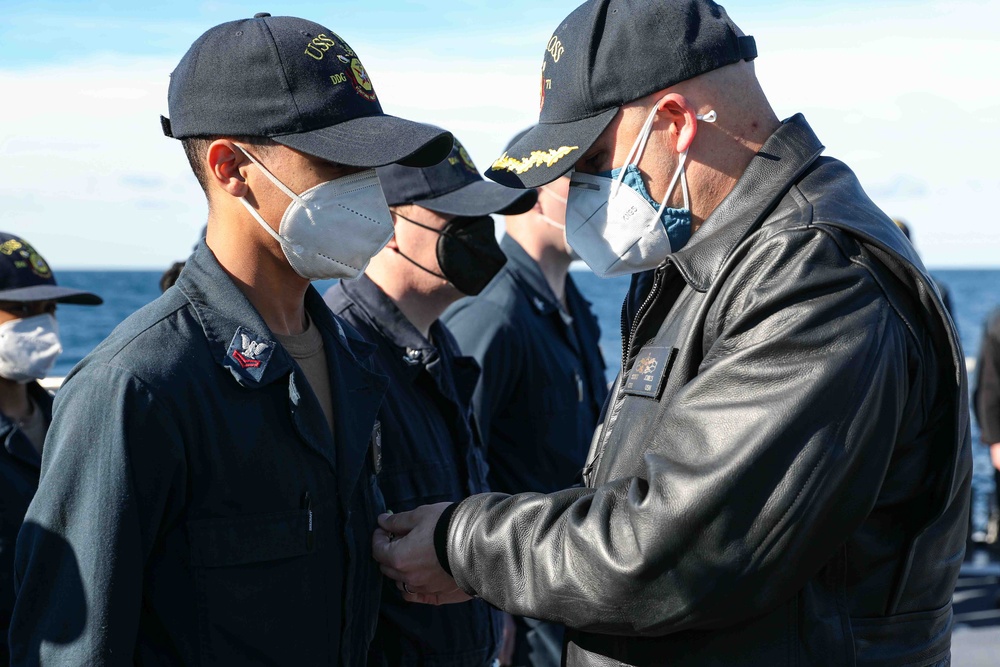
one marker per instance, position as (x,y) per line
(398,524)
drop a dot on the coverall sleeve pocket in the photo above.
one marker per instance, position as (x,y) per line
(243,540)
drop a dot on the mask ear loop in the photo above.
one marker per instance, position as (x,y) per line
(297,249)
(681,173)
(637,148)
(414,262)
(546,219)
(274,179)
(554,195)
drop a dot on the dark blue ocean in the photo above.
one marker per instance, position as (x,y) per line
(973,294)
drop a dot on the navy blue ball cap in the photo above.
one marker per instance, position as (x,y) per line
(299,84)
(453,187)
(26,277)
(608,53)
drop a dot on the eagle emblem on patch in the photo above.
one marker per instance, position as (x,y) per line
(646,365)
(249,353)
(248,358)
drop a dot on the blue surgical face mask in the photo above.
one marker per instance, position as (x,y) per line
(614,223)
(677,221)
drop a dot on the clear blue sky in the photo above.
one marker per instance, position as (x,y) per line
(44,31)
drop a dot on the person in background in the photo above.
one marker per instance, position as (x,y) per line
(209,487)
(542,385)
(29,346)
(986,396)
(170,276)
(444,248)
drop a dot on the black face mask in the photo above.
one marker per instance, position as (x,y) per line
(467,251)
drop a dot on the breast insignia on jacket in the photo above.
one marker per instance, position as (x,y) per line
(651,368)
(376,441)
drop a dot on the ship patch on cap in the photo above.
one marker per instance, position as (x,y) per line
(29,258)
(460,156)
(362,82)
(555,50)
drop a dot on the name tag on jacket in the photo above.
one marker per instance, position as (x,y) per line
(649,372)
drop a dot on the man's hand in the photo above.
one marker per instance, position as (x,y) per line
(995,454)
(403,545)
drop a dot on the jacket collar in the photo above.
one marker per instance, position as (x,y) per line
(415,352)
(17,444)
(530,279)
(239,338)
(229,319)
(226,315)
(785,156)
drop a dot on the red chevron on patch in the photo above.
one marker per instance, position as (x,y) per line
(244,362)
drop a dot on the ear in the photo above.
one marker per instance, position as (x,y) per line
(225,164)
(538,208)
(683,118)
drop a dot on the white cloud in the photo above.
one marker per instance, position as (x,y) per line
(908,98)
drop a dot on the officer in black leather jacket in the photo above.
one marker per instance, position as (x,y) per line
(782,473)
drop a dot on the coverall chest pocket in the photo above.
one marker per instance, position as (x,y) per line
(424,483)
(255,576)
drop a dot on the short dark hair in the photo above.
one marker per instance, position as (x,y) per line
(195,147)
(170,276)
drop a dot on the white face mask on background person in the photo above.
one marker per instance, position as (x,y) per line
(614,227)
(333,229)
(29,347)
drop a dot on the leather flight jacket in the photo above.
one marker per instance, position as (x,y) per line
(782,473)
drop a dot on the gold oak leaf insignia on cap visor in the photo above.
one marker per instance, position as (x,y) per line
(537,159)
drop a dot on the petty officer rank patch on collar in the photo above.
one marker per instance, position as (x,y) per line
(649,372)
(249,353)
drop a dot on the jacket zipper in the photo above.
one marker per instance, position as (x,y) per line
(654,292)
(310,533)
(628,340)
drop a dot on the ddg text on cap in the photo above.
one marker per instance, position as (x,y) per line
(299,84)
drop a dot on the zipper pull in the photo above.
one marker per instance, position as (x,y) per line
(579,387)
(310,533)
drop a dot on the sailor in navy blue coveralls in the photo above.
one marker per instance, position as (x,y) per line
(543,385)
(29,348)
(209,483)
(433,454)
(196,510)
(445,246)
